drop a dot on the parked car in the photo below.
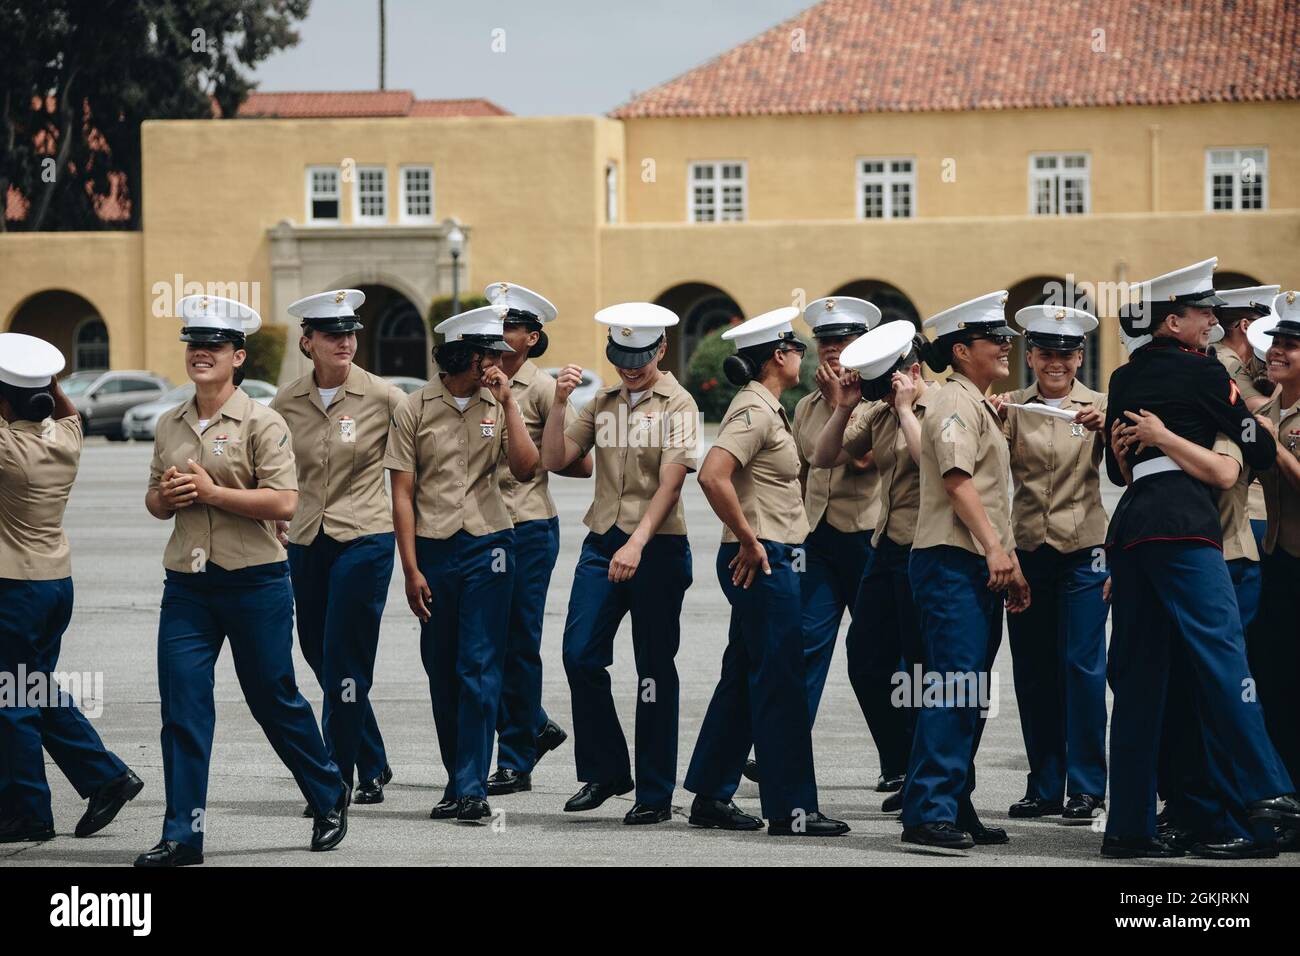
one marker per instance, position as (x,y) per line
(406,383)
(586,390)
(103,398)
(141,422)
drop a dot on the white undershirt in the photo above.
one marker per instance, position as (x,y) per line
(327,394)
(462,403)
(1054,402)
(637,396)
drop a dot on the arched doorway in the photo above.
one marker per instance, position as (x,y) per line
(701,307)
(1042,290)
(395,339)
(68,322)
(893,303)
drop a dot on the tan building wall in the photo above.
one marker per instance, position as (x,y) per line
(803,167)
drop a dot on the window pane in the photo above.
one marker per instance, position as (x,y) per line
(1072,196)
(1221,191)
(872,166)
(702,171)
(324,208)
(1252,194)
(1043,205)
(733,203)
(873,202)
(703,203)
(901,166)
(732,171)
(370,193)
(419,192)
(1074,162)
(901,200)
(1044,162)
(1222,157)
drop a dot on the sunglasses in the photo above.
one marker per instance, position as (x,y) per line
(998,340)
(793,347)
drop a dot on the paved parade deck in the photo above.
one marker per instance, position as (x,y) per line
(254,806)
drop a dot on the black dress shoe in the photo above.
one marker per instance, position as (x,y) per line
(810,824)
(889,782)
(1081,809)
(893,803)
(593,795)
(386,776)
(1288,841)
(1180,838)
(1238,848)
(552,736)
(369,792)
(1135,848)
(107,801)
(721,815)
(750,770)
(644,813)
(507,780)
(969,821)
(1031,807)
(1284,811)
(938,836)
(328,831)
(445,809)
(25,830)
(472,810)
(169,853)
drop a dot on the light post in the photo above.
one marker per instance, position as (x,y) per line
(456,242)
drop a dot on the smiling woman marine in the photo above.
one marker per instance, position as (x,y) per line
(223,473)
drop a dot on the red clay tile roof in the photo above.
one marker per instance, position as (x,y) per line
(357,103)
(867,56)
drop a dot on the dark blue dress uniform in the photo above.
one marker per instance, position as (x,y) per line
(227,578)
(341,549)
(464,547)
(1170,586)
(761,694)
(38,463)
(632,443)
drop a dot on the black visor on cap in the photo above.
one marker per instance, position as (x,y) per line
(1287,327)
(1207,299)
(209,336)
(839,329)
(989,328)
(491,342)
(620,356)
(341,323)
(522,317)
(1055,343)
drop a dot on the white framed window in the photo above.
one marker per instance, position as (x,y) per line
(417,194)
(90,344)
(323,194)
(886,187)
(611,192)
(1236,179)
(370,195)
(716,192)
(1060,184)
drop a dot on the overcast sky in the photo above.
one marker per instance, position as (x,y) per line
(560,57)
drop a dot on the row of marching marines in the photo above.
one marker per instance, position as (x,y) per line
(926,508)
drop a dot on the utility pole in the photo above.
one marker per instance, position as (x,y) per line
(383,51)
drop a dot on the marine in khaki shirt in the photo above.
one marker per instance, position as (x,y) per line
(245,445)
(1238,541)
(1056,468)
(962,432)
(454,456)
(340,455)
(848,495)
(757,433)
(1281,497)
(631,445)
(38,464)
(534,392)
(878,432)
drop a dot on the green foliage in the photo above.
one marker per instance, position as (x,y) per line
(441,309)
(266,352)
(84,75)
(713,393)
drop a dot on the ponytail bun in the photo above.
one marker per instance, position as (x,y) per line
(540,348)
(38,406)
(739,370)
(936,354)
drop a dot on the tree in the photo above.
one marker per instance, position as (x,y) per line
(78,77)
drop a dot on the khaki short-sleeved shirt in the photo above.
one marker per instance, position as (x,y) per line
(1238,541)
(38,464)
(632,444)
(900,479)
(1245,374)
(757,433)
(1283,501)
(1056,471)
(962,432)
(534,392)
(454,457)
(246,445)
(848,498)
(340,455)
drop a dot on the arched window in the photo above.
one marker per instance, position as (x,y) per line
(400,340)
(90,345)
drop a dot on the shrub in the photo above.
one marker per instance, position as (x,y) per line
(266,352)
(713,393)
(441,308)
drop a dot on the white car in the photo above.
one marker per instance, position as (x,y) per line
(141,421)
